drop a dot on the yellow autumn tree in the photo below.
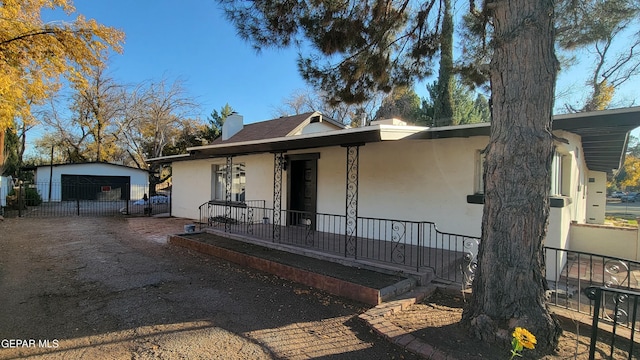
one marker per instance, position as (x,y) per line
(35,55)
(631,172)
(600,97)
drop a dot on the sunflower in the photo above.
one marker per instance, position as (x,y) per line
(524,338)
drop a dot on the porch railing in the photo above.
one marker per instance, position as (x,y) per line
(412,244)
(610,306)
(419,244)
(570,273)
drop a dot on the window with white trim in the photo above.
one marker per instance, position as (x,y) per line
(556,175)
(480,157)
(219,180)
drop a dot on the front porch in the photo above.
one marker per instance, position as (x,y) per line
(400,246)
(414,249)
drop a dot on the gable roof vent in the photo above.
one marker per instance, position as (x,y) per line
(315,119)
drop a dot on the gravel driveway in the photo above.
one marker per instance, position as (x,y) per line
(111,288)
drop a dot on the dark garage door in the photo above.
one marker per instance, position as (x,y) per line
(90,187)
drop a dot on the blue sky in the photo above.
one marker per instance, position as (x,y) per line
(192,41)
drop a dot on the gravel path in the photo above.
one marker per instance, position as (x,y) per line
(111,288)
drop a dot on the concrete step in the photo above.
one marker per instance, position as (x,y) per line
(359,281)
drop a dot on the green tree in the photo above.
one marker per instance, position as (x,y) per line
(360,46)
(402,103)
(467,110)
(444,102)
(216,120)
(12,162)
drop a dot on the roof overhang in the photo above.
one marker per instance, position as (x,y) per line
(604,138)
(344,137)
(604,134)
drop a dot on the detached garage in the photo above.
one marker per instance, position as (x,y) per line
(90,181)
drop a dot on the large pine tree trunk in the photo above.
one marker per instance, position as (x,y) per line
(510,282)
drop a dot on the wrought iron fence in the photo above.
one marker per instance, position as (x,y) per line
(413,244)
(69,199)
(569,273)
(615,307)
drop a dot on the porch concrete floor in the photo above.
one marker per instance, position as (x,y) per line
(365,285)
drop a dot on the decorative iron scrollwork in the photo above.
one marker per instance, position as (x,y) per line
(469,264)
(250,220)
(309,238)
(351,207)
(227,193)
(610,302)
(618,273)
(591,293)
(398,233)
(278,163)
(468,268)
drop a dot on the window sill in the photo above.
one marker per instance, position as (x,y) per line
(555,201)
(560,201)
(475,199)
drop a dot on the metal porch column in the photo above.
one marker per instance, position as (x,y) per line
(351,205)
(227,195)
(278,162)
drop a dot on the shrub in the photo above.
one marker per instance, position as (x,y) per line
(31,197)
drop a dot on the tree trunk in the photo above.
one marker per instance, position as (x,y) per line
(509,285)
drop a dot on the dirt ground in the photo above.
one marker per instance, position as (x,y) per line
(111,288)
(435,320)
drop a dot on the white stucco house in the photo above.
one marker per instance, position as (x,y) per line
(90,181)
(389,170)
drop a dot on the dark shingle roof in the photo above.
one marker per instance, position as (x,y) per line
(269,129)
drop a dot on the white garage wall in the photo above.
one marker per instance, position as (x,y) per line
(139,178)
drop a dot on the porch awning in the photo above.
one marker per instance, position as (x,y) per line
(604,134)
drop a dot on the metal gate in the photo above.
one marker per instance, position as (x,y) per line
(96,196)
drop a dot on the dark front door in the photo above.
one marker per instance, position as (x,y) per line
(302,191)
